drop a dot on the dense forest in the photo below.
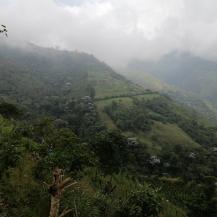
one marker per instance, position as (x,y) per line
(132,152)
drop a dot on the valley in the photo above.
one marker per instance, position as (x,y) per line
(188,79)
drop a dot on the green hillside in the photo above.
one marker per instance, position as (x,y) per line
(132,152)
(163,119)
(183,70)
(188,79)
(32,73)
(146,80)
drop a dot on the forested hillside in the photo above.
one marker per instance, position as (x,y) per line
(132,152)
(30,74)
(185,71)
(187,78)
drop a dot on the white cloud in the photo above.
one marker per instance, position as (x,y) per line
(115,30)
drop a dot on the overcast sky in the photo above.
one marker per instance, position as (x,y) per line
(115,30)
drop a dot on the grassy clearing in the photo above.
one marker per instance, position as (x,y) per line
(167,135)
(148,96)
(103,116)
(126,101)
(108,84)
(161,134)
(171,134)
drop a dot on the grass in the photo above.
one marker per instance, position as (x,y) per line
(108,84)
(161,134)
(168,135)
(123,100)
(170,210)
(106,119)
(148,96)
(126,101)
(100,105)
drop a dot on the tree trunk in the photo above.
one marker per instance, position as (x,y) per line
(54,206)
(56,189)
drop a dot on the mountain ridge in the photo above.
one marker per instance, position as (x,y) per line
(188,79)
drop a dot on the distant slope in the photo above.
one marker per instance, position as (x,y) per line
(129,140)
(155,121)
(185,71)
(85,93)
(147,80)
(30,74)
(187,79)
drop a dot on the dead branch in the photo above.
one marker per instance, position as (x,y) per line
(65,212)
(56,189)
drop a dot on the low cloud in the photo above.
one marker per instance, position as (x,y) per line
(115,30)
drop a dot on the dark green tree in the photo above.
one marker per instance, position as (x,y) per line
(141,203)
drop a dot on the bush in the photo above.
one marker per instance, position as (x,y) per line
(141,203)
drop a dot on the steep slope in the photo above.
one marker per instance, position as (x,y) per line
(156,121)
(147,80)
(186,78)
(52,82)
(25,165)
(185,71)
(32,73)
(115,139)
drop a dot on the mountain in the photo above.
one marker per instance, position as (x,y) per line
(189,79)
(185,71)
(76,87)
(132,151)
(155,121)
(31,72)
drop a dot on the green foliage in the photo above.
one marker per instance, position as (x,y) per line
(141,203)
(124,194)
(154,144)
(129,119)
(9,110)
(21,192)
(189,79)
(203,201)
(110,147)
(30,151)
(61,147)
(11,147)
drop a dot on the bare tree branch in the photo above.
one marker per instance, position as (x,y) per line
(56,189)
(65,212)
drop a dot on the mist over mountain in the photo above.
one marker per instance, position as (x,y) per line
(71,110)
(49,72)
(108,108)
(185,71)
(115,31)
(180,72)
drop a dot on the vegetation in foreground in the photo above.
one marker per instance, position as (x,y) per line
(131,154)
